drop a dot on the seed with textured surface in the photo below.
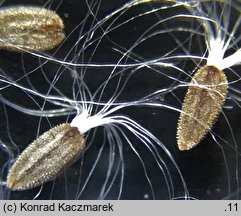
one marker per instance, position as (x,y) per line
(46,158)
(202,104)
(30,28)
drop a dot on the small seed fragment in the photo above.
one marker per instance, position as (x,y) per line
(46,157)
(30,28)
(201,106)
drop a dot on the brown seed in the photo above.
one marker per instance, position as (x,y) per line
(46,157)
(202,104)
(30,28)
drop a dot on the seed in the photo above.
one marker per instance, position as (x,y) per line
(30,28)
(46,157)
(202,104)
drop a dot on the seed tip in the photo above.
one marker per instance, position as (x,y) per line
(184,146)
(15,185)
(11,184)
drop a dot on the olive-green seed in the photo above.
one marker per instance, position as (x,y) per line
(46,157)
(201,106)
(30,28)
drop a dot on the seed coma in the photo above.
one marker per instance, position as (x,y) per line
(30,28)
(201,106)
(46,157)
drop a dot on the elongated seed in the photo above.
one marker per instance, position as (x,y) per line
(30,28)
(46,157)
(201,106)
